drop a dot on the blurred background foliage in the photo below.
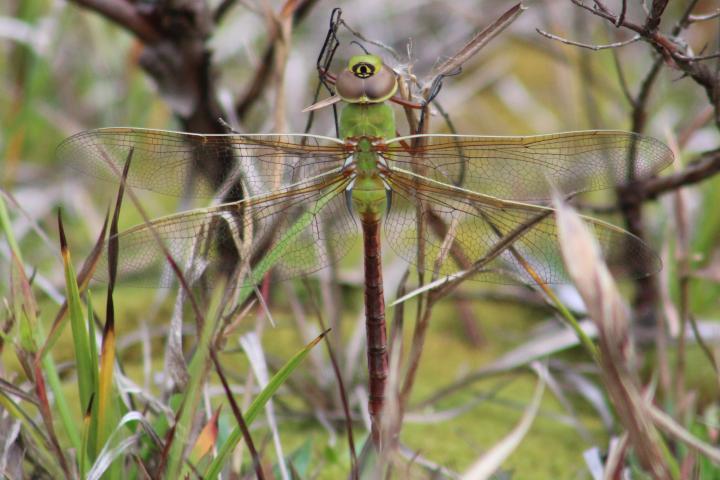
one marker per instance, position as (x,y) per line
(64,69)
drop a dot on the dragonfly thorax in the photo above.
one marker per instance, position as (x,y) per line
(367,120)
(367,192)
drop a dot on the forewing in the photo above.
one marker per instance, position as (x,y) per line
(298,230)
(177,163)
(527,168)
(508,242)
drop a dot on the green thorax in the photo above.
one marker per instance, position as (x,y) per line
(362,122)
(367,120)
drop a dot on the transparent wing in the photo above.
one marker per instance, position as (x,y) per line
(500,235)
(298,229)
(172,162)
(526,168)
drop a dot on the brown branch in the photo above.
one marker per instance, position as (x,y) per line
(126,15)
(261,79)
(623,11)
(223,9)
(640,102)
(259,82)
(703,168)
(670,53)
(646,293)
(666,47)
(697,58)
(685,17)
(653,20)
(621,78)
(481,39)
(700,169)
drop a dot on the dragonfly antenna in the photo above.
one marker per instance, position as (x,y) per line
(361,46)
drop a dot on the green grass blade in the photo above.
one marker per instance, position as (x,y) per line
(31,330)
(106,400)
(77,322)
(36,440)
(94,357)
(197,371)
(116,446)
(257,405)
(5,226)
(83,462)
(23,306)
(61,404)
(286,240)
(94,360)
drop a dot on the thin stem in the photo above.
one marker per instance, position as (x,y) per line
(621,78)
(703,17)
(588,45)
(567,315)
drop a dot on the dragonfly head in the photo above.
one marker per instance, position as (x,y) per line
(366,80)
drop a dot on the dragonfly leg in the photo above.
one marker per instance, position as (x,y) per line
(388,194)
(348,195)
(348,169)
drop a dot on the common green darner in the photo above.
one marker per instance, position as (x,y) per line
(305,197)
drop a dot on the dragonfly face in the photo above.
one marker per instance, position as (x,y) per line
(366,80)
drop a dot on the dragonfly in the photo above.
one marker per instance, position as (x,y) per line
(305,200)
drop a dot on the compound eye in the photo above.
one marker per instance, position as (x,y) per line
(363,69)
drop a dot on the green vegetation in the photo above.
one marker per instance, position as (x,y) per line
(145,375)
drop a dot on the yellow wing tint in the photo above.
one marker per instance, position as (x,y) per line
(178,163)
(303,228)
(527,168)
(496,236)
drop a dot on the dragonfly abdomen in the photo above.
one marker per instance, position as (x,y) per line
(375,318)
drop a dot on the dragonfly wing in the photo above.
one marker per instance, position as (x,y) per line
(299,229)
(527,168)
(178,163)
(508,242)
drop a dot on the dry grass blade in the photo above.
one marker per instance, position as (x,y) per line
(106,413)
(432,286)
(254,409)
(479,41)
(46,413)
(392,415)
(549,343)
(584,262)
(114,448)
(239,417)
(206,439)
(615,458)
(492,460)
(342,391)
(423,321)
(8,388)
(667,423)
(253,348)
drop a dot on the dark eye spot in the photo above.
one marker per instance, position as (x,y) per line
(363,70)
